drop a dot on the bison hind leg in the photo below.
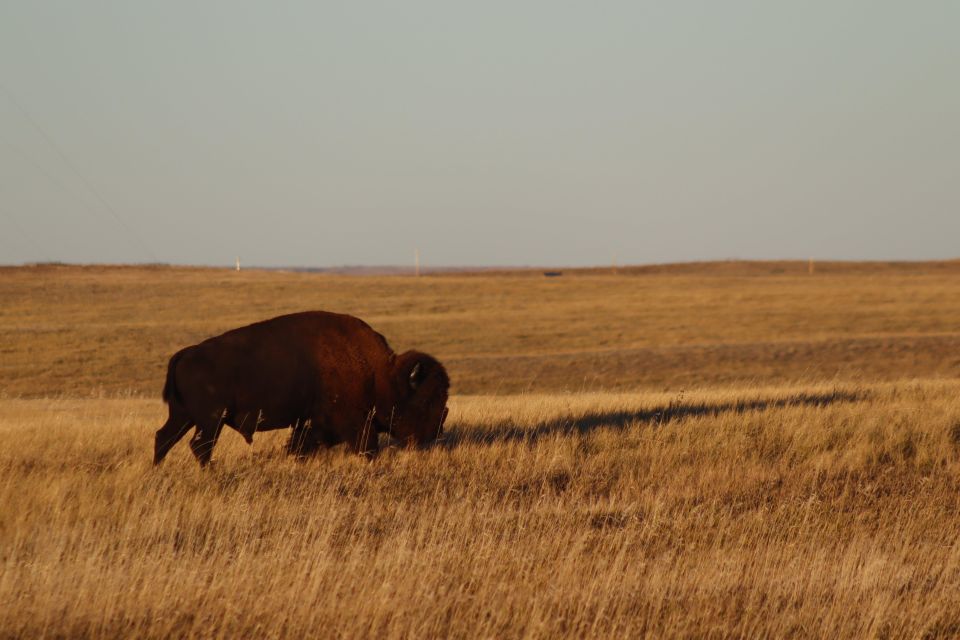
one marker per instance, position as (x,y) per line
(204,440)
(176,426)
(245,425)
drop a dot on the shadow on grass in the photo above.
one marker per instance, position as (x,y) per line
(507,431)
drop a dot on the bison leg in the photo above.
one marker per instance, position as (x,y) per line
(365,441)
(205,439)
(177,425)
(303,440)
(309,436)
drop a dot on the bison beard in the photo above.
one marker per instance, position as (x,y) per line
(329,376)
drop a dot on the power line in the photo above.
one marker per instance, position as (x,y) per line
(63,186)
(63,157)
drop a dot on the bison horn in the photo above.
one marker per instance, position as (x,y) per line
(413,375)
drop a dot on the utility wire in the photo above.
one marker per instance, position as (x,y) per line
(89,209)
(63,157)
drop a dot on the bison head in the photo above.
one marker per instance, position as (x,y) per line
(420,386)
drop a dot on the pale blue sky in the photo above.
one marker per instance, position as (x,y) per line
(484,133)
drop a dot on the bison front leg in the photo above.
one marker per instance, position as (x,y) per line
(177,425)
(205,439)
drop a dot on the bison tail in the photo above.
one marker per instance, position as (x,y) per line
(170,391)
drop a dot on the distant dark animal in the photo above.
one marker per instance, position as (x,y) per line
(329,376)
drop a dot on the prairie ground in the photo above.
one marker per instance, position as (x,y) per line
(722,451)
(95,330)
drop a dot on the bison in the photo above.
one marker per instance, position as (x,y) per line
(329,376)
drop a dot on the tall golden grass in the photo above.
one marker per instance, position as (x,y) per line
(725,450)
(826,511)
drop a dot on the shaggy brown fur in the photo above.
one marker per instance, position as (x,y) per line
(329,376)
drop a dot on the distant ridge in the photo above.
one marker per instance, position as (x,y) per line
(706,267)
(703,268)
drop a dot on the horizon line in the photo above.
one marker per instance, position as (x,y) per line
(401,268)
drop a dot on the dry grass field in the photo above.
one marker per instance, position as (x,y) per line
(726,450)
(95,330)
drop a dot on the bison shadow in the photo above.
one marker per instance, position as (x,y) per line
(507,432)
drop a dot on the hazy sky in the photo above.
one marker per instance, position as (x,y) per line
(330,133)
